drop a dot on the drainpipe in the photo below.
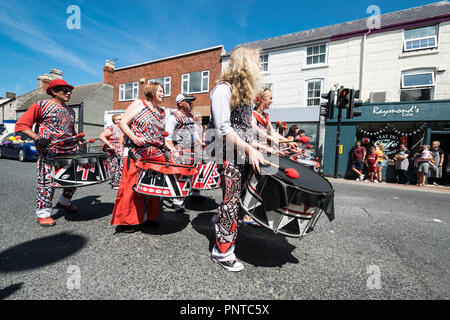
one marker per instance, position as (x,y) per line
(361,62)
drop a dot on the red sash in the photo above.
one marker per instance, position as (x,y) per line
(265,121)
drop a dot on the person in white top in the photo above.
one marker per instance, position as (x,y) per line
(231,117)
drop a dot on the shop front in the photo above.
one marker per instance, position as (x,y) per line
(413,123)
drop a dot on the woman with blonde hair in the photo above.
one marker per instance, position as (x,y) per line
(381,157)
(143,124)
(435,172)
(112,138)
(231,117)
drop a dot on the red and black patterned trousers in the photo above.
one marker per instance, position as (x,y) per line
(232,177)
(45,190)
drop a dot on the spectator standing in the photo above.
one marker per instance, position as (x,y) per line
(423,158)
(381,157)
(435,173)
(401,164)
(358,158)
(372,165)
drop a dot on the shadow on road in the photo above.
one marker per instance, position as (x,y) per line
(40,252)
(6,292)
(200,203)
(169,222)
(257,246)
(89,208)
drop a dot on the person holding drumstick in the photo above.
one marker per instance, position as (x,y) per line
(181,129)
(113,138)
(53,120)
(231,117)
(143,124)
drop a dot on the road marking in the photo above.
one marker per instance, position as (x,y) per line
(437,220)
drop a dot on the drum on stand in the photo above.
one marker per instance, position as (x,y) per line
(79,170)
(287,206)
(164,179)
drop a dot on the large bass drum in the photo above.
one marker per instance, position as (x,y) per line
(288,206)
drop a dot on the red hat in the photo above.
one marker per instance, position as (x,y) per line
(57,83)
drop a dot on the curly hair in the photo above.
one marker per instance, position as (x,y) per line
(261,94)
(243,73)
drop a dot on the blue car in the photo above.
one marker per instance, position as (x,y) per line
(25,150)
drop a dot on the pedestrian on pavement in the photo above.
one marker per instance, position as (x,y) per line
(423,160)
(381,160)
(402,164)
(358,157)
(113,139)
(435,172)
(52,120)
(231,116)
(143,124)
(372,167)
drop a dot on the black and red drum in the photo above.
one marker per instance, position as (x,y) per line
(207,177)
(79,170)
(288,206)
(164,179)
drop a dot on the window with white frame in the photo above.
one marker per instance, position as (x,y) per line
(165,82)
(313,91)
(264,59)
(417,85)
(128,91)
(195,82)
(420,38)
(316,54)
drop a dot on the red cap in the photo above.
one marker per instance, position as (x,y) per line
(57,83)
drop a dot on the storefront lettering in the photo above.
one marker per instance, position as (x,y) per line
(403,112)
(391,143)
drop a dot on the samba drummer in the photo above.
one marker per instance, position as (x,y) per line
(143,124)
(265,133)
(182,138)
(231,117)
(53,121)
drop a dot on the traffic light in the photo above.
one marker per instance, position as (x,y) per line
(343,99)
(354,103)
(327,108)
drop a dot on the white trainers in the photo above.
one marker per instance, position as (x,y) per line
(376,181)
(234,266)
(358,179)
(361,177)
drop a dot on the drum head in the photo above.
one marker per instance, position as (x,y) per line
(307,179)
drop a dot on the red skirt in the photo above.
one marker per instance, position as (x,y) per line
(129,208)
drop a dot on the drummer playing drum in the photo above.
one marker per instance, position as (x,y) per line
(181,129)
(54,120)
(143,124)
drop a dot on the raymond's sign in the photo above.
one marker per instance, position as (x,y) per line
(403,112)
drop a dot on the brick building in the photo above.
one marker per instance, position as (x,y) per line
(194,72)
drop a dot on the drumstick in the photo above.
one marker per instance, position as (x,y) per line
(289,172)
(286,141)
(80,135)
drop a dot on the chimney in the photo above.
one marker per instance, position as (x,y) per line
(108,72)
(45,82)
(56,74)
(10,95)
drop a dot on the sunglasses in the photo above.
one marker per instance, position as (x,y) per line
(65,90)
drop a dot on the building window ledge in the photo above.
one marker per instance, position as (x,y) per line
(418,53)
(314,66)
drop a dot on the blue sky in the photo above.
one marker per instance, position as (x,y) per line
(34,36)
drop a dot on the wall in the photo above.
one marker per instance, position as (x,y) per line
(173,67)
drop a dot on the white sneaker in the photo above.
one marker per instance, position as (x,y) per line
(362,177)
(234,266)
(367,180)
(376,181)
(358,179)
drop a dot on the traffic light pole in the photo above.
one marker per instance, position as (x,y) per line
(338,142)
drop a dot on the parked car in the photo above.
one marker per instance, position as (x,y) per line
(24,150)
